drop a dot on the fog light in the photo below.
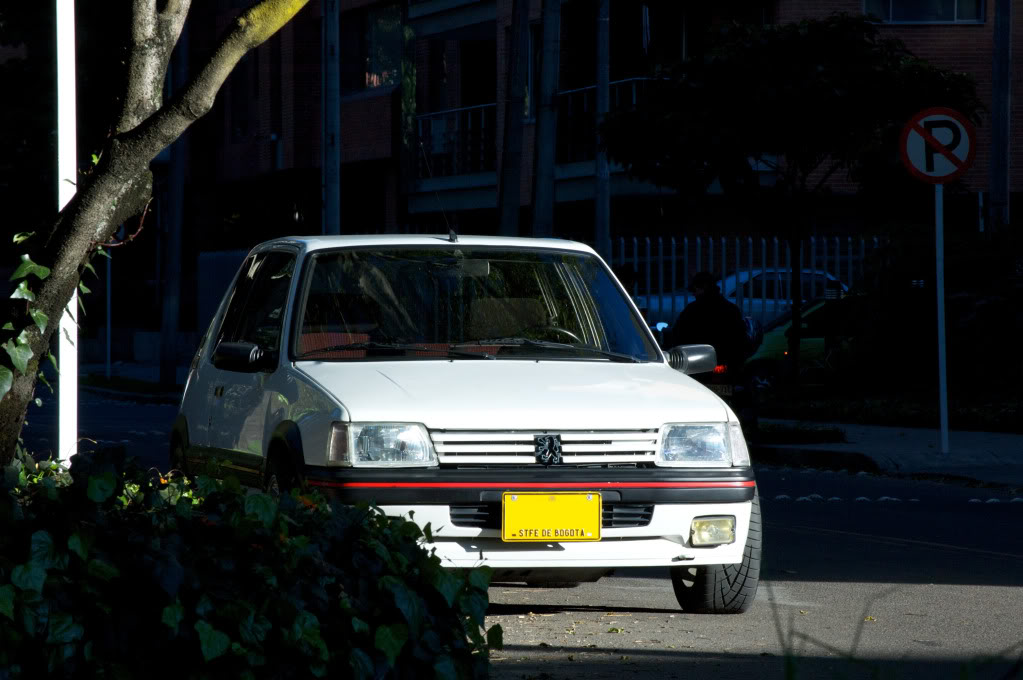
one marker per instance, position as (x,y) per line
(712,531)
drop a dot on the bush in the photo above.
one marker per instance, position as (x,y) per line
(110,572)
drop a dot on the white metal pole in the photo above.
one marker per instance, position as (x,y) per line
(939,230)
(67,353)
(109,313)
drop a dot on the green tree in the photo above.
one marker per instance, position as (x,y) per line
(807,100)
(117,187)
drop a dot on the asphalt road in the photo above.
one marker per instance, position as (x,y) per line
(864,577)
(926,586)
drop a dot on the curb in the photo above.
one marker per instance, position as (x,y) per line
(820,459)
(139,397)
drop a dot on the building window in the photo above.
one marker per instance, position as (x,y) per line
(371,48)
(926,11)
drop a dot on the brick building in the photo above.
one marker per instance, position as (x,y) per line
(423,86)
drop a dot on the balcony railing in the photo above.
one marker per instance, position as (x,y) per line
(457,141)
(577,115)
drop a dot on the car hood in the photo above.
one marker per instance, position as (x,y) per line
(504,395)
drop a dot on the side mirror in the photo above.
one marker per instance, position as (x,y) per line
(692,359)
(240,357)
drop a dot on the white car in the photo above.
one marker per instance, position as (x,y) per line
(761,293)
(504,391)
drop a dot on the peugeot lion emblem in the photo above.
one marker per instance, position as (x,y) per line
(548,449)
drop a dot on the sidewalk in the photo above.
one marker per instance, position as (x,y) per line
(985,457)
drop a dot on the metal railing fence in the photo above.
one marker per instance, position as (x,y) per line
(457,141)
(752,272)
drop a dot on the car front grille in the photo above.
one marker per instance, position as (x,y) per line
(614,515)
(591,447)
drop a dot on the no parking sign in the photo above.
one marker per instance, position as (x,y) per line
(937,146)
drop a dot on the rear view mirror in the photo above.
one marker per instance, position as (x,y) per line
(692,359)
(240,357)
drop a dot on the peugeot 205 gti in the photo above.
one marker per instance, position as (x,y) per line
(506,391)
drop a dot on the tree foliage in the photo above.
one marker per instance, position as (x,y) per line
(805,100)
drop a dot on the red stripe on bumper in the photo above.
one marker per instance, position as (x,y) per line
(533,485)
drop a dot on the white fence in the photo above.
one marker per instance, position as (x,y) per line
(753,272)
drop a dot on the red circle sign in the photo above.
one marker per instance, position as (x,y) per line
(938,145)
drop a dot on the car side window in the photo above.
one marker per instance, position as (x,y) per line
(256,311)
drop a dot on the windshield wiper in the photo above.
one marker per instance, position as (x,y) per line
(550,344)
(399,346)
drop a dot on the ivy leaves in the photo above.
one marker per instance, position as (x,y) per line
(18,348)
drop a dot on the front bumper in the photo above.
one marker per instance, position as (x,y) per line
(673,496)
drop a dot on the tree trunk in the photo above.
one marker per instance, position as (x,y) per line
(547,121)
(509,187)
(121,184)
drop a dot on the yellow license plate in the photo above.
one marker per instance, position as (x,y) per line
(557,517)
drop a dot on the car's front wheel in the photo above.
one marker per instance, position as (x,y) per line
(723,588)
(278,479)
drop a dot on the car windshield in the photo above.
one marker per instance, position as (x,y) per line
(466,303)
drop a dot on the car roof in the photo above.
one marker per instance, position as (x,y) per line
(323,242)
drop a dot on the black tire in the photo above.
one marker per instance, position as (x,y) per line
(176,458)
(723,588)
(278,479)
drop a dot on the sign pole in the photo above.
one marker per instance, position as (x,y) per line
(937,146)
(939,250)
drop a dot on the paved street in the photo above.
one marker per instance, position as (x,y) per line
(142,428)
(895,580)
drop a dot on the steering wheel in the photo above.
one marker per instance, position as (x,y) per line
(555,329)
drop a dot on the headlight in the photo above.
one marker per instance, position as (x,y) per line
(703,445)
(380,445)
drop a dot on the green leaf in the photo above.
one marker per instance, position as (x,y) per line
(88,265)
(81,305)
(253,630)
(407,602)
(7,601)
(8,326)
(63,629)
(82,287)
(95,159)
(29,576)
(213,642)
(40,318)
(101,487)
(390,640)
(78,545)
(104,571)
(23,293)
(362,665)
(43,380)
(444,668)
(43,551)
(475,605)
(447,584)
(359,626)
(28,267)
(495,637)
(6,380)
(38,402)
(20,355)
(173,615)
(53,361)
(262,507)
(480,578)
(101,251)
(23,236)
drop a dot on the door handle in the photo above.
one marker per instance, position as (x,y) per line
(218,391)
